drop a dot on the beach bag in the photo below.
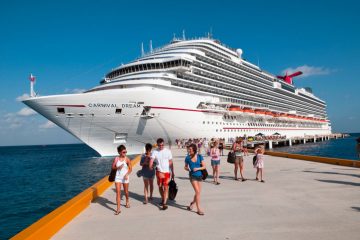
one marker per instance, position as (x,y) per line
(254,160)
(173,189)
(112,175)
(231,157)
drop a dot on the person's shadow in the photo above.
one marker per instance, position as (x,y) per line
(105,203)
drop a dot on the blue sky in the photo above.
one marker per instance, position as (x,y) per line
(71,45)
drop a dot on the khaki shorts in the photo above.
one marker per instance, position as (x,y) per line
(239,159)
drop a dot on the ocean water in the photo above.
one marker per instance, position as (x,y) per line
(35,180)
(336,148)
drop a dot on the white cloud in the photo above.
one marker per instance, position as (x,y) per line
(308,71)
(75,90)
(26,112)
(47,125)
(22,97)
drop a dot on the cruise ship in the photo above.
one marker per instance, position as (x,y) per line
(198,88)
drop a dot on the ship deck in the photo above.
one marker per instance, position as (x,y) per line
(300,200)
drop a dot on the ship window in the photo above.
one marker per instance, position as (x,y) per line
(61,110)
(118,110)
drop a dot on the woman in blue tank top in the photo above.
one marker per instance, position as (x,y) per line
(194,163)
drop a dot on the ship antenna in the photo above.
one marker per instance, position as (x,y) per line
(142,49)
(151,49)
(211,34)
(184,35)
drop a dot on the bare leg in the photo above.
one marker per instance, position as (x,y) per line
(151,182)
(126,190)
(118,197)
(197,188)
(214,172)
(261,174)
(217,173)
(257,173)
(242,169)
(146,190)
(166,193)
(161,193)
(236,165)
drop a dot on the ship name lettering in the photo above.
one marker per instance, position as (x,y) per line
(126,105)
(104,105)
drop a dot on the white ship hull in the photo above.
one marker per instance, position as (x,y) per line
(91,117)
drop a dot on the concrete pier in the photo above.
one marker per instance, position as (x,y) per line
(300,200)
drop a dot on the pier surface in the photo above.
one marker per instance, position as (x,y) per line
(300,200)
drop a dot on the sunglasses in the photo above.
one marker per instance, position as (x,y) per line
(124,152)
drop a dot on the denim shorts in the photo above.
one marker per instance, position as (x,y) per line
(215,162)
(195,178)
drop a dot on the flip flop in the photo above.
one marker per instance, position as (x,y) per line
(200,213)
(117,212)
(127,205)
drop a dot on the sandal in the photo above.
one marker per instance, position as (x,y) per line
(200,213)
(217,183)
(236,179)
(262,181)
(164,207)
(190,207)
(127,205)
(243,180)
(117,212)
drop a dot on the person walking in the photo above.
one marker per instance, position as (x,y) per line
(123,166)
(162,157)
(259,164)
(221,147)
(239,161)
(215,161)
(147,173)
(194,163)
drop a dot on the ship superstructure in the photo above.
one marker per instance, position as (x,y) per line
(186,89)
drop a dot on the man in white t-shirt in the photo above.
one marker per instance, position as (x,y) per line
(164,166)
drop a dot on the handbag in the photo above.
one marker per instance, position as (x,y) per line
(254,160)
(231,157)
(204,173)
(139,173)
(173,189)
(112,175)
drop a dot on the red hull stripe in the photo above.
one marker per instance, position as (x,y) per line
(67,105)
(184,109)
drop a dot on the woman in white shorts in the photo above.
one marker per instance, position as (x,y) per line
(124,168)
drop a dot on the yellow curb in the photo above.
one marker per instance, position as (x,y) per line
(334,161)
(50,224)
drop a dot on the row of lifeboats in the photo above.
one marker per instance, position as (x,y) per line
(246,111)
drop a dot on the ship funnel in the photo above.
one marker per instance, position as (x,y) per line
(239,52)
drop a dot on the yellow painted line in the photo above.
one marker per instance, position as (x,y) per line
(50,224)
(334,161)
